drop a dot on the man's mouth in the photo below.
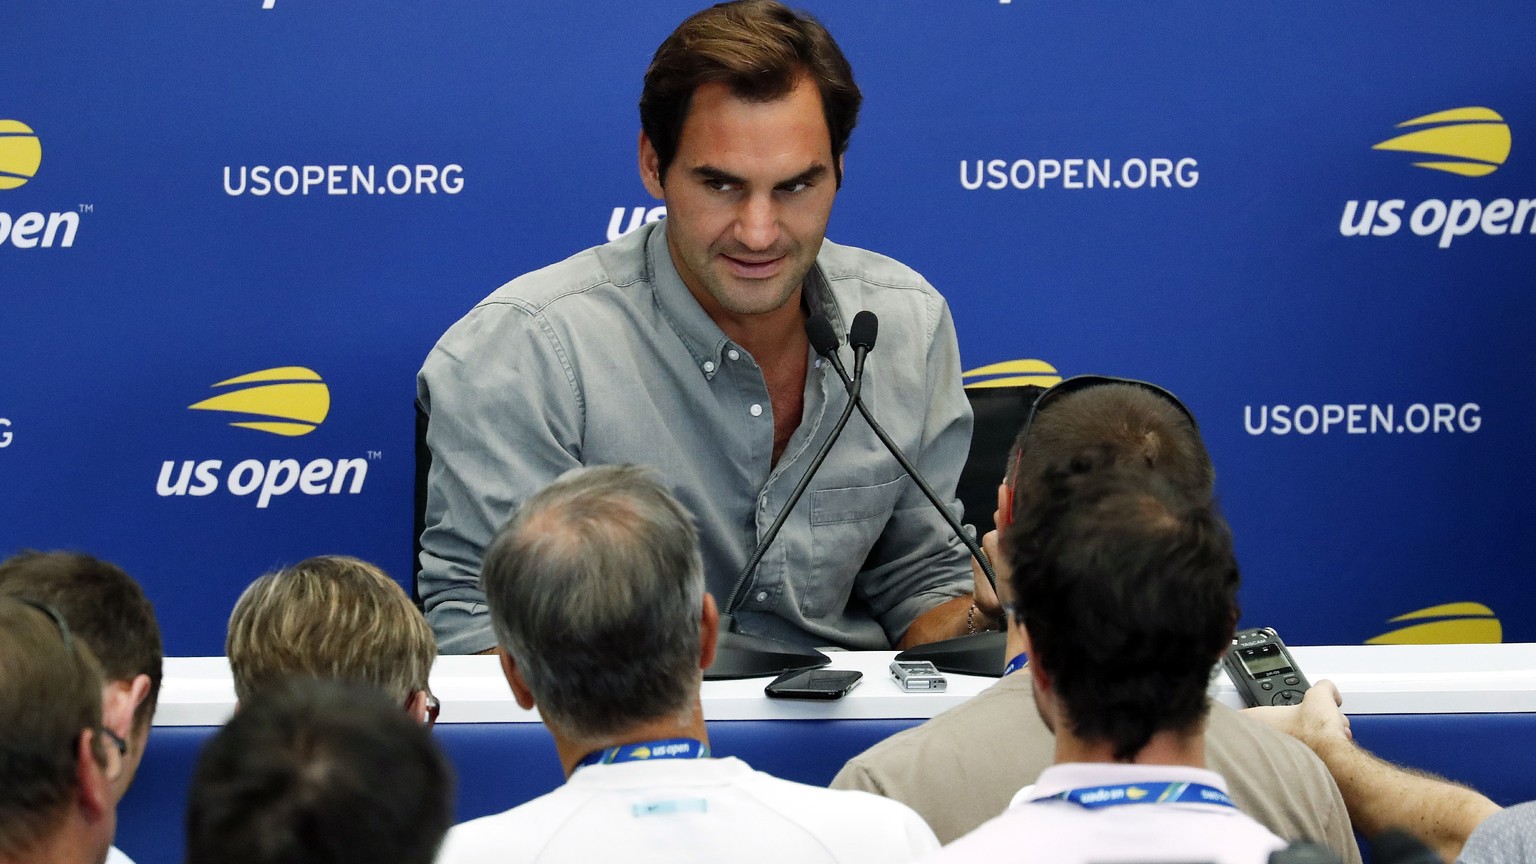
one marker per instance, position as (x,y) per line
(754,268)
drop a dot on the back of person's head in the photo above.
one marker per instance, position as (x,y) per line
(596,591)
(50,717)
(313,771)
(1127,587)
(760,49)
(329,617)
(1130,422)
(105,608)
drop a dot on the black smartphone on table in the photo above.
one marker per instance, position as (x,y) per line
(813,684)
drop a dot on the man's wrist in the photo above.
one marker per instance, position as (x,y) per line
(978,621)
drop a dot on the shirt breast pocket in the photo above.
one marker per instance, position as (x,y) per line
(845,523)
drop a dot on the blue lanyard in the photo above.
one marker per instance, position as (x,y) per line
(1097,797)
(1018,662)
(645,751)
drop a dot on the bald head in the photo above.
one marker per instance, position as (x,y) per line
(595,589)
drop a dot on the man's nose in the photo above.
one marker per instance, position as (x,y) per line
(757,223)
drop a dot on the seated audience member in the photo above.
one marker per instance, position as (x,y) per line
(313,771)
(1124,595)
(1380,795)
(57,760)
(962,767)
(596,592)
(332,617)
(106,609)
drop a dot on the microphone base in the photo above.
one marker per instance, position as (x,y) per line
(977,654)
(739,655)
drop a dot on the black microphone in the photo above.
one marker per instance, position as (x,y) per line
(824,341)
(862,336)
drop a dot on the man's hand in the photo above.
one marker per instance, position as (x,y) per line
(955,618)
(1380,795)
(1316,722)
(986,599)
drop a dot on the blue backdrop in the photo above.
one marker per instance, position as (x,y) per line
(1187,192)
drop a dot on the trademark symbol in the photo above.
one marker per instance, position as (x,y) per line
(375,454)
(87,208)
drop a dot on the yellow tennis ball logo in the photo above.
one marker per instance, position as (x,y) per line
(20,153)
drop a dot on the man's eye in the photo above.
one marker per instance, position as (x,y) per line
(795,188)
(717,185)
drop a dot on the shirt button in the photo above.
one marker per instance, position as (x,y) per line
(762,596)
(709,365)
(733,354)
(756,410)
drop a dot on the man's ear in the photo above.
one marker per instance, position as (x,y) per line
(1036,671)
(520,691)
(416,706)
(1004,505)
(650,167)
(120,701)
(93,792)
(709,631)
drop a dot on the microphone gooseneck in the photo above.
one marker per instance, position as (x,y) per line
(824,341)
(865,332)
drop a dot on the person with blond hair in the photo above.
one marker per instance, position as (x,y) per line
(332,617)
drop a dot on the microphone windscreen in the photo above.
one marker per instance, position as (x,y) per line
(862,333)
(823,337)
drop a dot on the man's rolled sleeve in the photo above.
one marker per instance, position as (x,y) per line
(921,562)
(504,423)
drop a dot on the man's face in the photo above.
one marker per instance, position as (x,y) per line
(748,197)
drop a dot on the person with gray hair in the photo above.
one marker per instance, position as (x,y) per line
(596,593)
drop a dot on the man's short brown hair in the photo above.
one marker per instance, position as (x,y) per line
(758,48)
(331,617)
(104,606)
(1128,423)
(50,691)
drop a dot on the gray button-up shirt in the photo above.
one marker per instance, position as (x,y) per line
(606,358)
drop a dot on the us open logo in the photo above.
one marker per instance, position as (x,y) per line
(1448,623)
(1012,373)
(287,401)
(637,216)
(1469,142)
(21,156)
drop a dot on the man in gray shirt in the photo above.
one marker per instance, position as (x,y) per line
(682,346)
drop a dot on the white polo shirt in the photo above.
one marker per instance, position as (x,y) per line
(692,810)
(1062,832)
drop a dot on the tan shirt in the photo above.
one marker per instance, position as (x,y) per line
(963,767)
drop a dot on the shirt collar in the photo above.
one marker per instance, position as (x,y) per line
(644,774)
(699,333)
